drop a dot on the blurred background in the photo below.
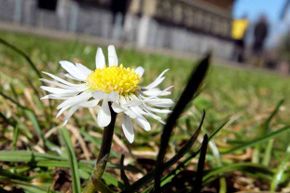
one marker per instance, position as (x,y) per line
(242,31)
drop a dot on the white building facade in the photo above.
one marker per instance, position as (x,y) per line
(191,26)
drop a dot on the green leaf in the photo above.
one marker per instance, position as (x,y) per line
(110,179)
(73,161)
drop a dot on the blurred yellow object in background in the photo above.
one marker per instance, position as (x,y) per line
(239,28)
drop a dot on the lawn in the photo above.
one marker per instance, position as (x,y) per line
(249,153)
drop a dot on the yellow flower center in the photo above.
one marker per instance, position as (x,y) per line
(115,78)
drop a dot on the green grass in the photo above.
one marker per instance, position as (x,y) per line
(246,97)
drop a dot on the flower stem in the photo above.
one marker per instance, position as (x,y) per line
(93,185)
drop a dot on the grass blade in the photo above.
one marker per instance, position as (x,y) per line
(193,154)
(258,140)
(217,159)
(278,177)
(15,136)
(14,101)
(35,124)
(149,176)
(245,167)
(23,54)
(265,129)
(190,90)
(7,121)
(122,171)
(27,156)
(73,161)
(268,153)
(187,146)
(9,175)
(266,125)
(200,166)
(213,134)
(27,186)
(31,115)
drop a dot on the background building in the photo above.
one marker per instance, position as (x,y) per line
(192,26)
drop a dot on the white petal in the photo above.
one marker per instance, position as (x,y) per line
(157,81)
(104,114)
(66,90)
(70,113)
(54,83)
(117,108)
(139,71)
(86,104)
(59,96)
(75,100)
(89,104)
(85,71)
(100,59)
(156,117)
(112,56)
(138,111)
(70,77)
(130,113)
(155,92)
(73,70)
(160,102)
(142,122)
(131,100)
(53,96)
(58,90)
(113,96)
(98,95)
(162,111)
(46,97)
(128,129)
(60,79)
(62,110)
(152,92)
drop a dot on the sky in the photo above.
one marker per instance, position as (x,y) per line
(254,8)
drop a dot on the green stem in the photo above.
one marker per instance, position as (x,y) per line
(93,185)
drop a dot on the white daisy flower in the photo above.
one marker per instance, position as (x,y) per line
(113,85)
